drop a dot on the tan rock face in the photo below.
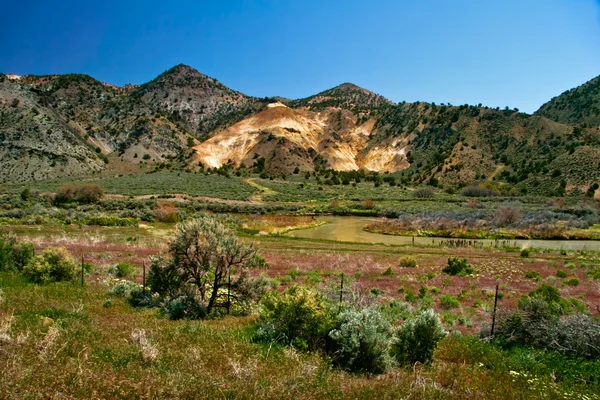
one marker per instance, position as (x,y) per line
(332,133)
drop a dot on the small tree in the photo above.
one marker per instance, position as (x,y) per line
(205,253)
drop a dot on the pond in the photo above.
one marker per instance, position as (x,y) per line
(350,229)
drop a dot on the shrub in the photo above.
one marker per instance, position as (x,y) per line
(408,262)
(388,272)
(184,306)
(547,293)
(363,340)
(418,337)
(525,253)
(123,288)
(533,275)
(90,193)
(423,193)
(122,270)
(457,267)
(299,317)
(53,265)
(206,255)
(561,274)
(65,194)
(573,281)
(14,255)
(448,301)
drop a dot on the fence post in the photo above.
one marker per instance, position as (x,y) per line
(494,313)
(342,288)
(82,269)
(228,291)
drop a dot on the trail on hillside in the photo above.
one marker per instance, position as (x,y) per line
(263,190)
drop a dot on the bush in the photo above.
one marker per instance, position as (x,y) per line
(53,265)
(184,306)
(299,317)
(90,193)
(163,276)
(14,255)
(525,253)
(573,281)
(87,194)
(448,301)
(65,194)
(408,262)
(418,337)
(533,275)
(547,293)
(423,193)
(363,340)
(122,270)
(457,267)
(561,274)
(122,288)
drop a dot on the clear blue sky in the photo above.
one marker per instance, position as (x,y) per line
(518,53)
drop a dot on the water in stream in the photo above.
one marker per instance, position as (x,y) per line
(350,229)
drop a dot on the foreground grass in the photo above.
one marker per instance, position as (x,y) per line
(65,341)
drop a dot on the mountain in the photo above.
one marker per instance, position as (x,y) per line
(198,103)
(35,142)
(71,125)
(579,106)
(347,96)
(299,137)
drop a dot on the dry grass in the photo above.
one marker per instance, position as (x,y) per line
(73,347)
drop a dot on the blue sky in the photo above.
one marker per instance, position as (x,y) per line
(499,53)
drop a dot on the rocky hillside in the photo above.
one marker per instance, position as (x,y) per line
(579,106)
(196,102)
(35,142)
(63,125)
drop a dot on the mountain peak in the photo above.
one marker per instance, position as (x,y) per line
(348,96)
(580,105)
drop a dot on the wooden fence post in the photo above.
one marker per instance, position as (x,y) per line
(494,313)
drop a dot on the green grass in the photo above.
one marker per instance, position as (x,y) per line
(163,182)
(63,339)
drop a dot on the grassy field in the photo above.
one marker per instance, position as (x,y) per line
(371,271)
(158,183)
(66,341)
(62,340)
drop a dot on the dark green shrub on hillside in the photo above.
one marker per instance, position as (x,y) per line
(408,262)
(418,337)
(13,254)
(458,267)
(122,270)
(53,265)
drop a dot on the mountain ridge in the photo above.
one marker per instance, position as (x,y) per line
(186,117)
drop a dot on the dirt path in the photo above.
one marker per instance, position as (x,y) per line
(263,190)
(499,168)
